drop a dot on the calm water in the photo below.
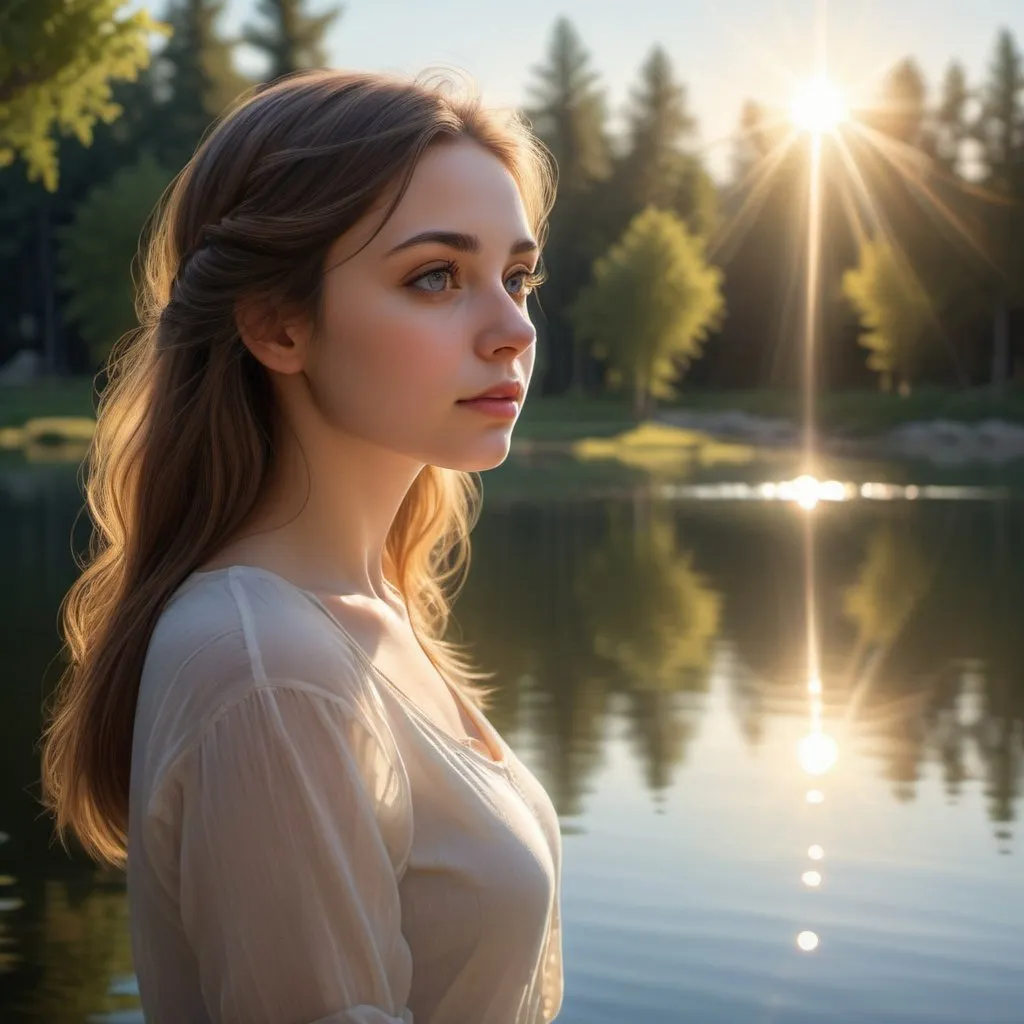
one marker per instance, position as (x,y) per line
(651,650)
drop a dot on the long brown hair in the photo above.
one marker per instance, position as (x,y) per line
(182,445)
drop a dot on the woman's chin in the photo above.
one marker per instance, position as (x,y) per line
(481,458)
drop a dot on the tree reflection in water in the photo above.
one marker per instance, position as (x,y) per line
(596,615)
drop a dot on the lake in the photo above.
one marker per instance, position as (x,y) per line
(749,835)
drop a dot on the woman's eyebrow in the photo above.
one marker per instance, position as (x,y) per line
(458,241)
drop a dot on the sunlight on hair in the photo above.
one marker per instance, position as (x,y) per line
(818,106)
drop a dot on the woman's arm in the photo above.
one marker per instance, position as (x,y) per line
(293,816)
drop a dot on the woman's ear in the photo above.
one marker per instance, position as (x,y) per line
(279,343)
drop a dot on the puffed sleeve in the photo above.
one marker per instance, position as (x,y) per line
(295,820)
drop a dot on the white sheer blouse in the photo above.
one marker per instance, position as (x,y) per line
(307,847)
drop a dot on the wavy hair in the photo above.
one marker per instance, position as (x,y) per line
(183,440)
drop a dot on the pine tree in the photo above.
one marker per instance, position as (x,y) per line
(195,78)
(1001,132)
(202,68)
(656,170)
(756,346)
(951,128)
(751,142)
(290,37)
(1001,128)
(916,207)
(659,124)
(567,110)
(901,112)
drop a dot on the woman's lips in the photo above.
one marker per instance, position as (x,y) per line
(501,408)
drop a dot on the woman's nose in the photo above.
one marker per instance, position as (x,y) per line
(510,326)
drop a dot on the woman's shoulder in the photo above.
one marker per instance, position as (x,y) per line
(242,670)
(230,631)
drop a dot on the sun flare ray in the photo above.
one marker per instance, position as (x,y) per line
(908,163)
(756,186)
(818,106)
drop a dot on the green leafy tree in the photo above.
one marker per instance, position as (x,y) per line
(894,312)
(97,252)
(289,36)
(58,59)
(567,109)
(164,111)
(653,300)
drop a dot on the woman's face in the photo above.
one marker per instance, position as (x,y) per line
(409,328)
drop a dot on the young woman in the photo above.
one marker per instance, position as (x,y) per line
(260,717)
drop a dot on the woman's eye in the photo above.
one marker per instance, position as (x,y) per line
(527,282)
(519,276)
(436,280)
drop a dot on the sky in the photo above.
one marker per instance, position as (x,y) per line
(725,51)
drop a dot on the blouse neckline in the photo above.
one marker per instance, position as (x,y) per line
(462,744)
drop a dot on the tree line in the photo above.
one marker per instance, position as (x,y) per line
(657,275)
(922,258)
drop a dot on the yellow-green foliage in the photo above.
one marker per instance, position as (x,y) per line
(63,428)
(57,61)
(662,637)
(653,300)
(655,446)
(893,577)
(893,308)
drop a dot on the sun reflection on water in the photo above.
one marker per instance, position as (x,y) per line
(808,492)
(817,753)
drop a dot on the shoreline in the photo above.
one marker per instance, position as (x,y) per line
(940,441)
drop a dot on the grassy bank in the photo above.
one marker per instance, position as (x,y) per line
(861,413)
(71,396)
